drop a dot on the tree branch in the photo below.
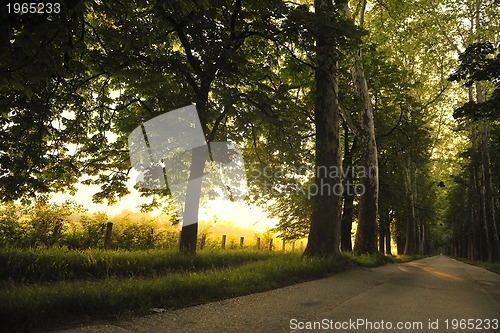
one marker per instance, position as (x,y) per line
(346,116)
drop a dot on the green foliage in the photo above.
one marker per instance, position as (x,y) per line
(45,224)
(48,220)
(52,93)
(11,230)
(40,224)
(90,232)
(479,62)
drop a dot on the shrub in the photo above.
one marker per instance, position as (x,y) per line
(11,231)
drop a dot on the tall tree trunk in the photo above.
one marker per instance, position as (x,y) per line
(381,234)
(472,229)
(366,235)
(189,231)
(388,249)
(348,207)
(491,233)
(493,242)
(400,244)
(384,238)
(477,169)
(411,232)
(324,234)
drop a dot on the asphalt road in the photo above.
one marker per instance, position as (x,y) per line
(437,294)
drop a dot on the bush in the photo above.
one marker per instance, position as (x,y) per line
(45,224)
(11,230)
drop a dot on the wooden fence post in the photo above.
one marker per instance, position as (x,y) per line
(293,246)
(203,240)
(242,240)
(107,235)
(258,243)
(223,241)
(271,245)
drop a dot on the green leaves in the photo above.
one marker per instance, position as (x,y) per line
(479,62)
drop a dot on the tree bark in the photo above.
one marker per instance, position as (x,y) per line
(384,239)
(348,207)
(388,249)
(381,235)
(400,244)
(489,199)
(189,231)
(324,234)
(366,235)
(486,192)
(411,232)
(478,177)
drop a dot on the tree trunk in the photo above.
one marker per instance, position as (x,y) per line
(348,208)
(189,231)
(388,249)
(381,235)
(324,234)
(107,235)
(472,229)
(366,235)
(411,232)
(384,239)
(489,199)
(347,214)
(400,244)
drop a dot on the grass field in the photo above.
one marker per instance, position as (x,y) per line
(43,288)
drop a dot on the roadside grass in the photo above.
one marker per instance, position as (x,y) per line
(35,306)
(400,259)
(56,264)
(491,266)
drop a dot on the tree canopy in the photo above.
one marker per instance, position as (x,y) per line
(362,88)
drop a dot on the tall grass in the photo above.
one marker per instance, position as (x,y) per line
(55,264)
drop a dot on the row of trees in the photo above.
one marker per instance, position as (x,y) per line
(475,233)
(301,86)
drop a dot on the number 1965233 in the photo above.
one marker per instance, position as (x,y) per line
(34,8)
